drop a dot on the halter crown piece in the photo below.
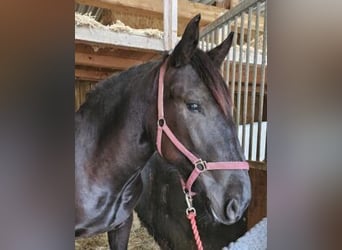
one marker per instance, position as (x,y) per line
(199,164)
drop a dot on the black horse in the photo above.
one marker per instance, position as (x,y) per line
(115,135)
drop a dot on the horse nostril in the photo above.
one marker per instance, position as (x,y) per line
(232,210)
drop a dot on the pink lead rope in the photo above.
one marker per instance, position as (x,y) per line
(199,164)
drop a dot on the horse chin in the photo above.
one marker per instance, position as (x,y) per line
(216,217)
(219,220)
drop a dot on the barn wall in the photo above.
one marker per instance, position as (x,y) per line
(81,89)
(258,206)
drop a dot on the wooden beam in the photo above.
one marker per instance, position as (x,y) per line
(186,9)
(121,39)
(91,75)
(94,60)
(116,51)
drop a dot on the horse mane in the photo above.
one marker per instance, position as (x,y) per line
(112,88)
(103,105)
(210,75)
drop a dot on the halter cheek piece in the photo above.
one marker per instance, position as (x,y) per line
(199,165)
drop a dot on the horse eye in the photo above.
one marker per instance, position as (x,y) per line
(193,107)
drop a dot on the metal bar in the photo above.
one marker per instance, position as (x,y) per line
(98,14)
(90,10)
(207,42)
(210,44)
(238,109)
(243,5)
(262,87)
(81,9)
(213,43)
(218,41)
(255,71)
(245,102)
(228,61)
(265,159)
(234,65)
(220,33)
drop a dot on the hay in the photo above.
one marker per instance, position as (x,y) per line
(139,239)
(89,21)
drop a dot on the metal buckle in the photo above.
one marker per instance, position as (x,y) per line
(201,165)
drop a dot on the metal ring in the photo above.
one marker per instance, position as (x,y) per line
(201,165)
(189,210)
(161,122)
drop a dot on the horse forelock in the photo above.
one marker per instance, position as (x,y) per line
(210,75)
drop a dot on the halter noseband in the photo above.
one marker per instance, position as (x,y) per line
(199,164)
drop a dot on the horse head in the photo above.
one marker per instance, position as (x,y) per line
(197,110)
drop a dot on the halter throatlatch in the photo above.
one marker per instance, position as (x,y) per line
(199,165)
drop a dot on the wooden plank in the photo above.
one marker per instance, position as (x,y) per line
(258,206)
(116,51)
(125,40)
(186,9)
(104,61)
(91,74)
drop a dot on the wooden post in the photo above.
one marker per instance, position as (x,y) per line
(227,4)
(170,24)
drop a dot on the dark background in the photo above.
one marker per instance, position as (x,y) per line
(37,110)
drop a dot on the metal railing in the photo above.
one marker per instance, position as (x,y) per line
(244,70)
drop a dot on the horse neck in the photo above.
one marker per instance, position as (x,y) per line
(110,126)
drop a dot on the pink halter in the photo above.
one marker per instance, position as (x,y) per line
(200,165)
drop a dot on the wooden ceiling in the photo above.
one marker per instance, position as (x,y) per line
(99,53)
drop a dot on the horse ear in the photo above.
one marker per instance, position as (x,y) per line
(184,50)
(218,53)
